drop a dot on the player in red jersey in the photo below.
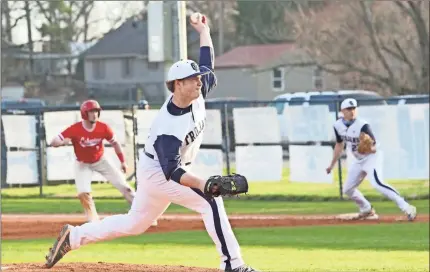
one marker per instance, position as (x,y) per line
(87,138)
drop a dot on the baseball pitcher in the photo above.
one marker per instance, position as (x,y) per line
(163,172)
(87,138)
(362,146)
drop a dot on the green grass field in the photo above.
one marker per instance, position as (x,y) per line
(397,247)
(233,206)
(285,190)
(384,247)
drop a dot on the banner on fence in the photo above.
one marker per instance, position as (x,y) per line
(308,123)
(208,162)
(256,125)
(402,133)
(56,122)
(308,164)
(115,119)
(22,167)
(260,163)
(20,130)
(213,128)
(60,163)
(144,121)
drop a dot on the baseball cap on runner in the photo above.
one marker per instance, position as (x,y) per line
(348,103)
(185,69)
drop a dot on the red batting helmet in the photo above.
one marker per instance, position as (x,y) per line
(87,106)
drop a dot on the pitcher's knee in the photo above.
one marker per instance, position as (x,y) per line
(205,208)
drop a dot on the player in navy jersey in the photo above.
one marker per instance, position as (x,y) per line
(163,173)
(347,130)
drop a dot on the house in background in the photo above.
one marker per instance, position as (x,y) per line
(258,72)
(117,66)
(18,59)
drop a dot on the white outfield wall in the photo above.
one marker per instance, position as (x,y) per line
(402,131)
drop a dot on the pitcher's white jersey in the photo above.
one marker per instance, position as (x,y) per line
(349,132)
(183,132)
(177,133)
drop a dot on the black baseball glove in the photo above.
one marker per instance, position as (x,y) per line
(226,185)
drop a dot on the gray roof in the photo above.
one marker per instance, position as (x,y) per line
(126,39)
(130,38)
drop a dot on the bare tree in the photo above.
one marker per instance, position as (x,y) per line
(383,44)
(86,14)
(6,26)
(220,15)
(126,9)
(9,22)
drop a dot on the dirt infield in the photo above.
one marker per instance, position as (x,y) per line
(48,226)
(103,267)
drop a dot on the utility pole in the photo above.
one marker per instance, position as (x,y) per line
(179,30)
(182,30)
(221,28)
(29,36)
(168,39)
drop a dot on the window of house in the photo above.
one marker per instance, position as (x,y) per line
(127,67)
(278,79)
(98,69)
(318,79)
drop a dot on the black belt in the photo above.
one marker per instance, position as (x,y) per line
(149,155)
(152,157)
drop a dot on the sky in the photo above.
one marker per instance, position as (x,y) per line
(103,14)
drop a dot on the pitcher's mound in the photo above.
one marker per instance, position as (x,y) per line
(103,267)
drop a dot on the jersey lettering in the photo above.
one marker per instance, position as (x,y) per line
(350,134)
(192,135)
(350,139)
(87,142)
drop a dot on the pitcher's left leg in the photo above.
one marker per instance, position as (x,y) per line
(374,173)
(215,220)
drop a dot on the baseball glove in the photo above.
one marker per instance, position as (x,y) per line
(365,144)
(226,185)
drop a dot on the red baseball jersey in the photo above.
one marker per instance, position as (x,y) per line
(88,145)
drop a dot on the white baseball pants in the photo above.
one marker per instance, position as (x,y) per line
(154,194)
(84,174)
(371,167)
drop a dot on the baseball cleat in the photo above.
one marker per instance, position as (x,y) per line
(411,212)
(243,268)
(368,213)
(60,247)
